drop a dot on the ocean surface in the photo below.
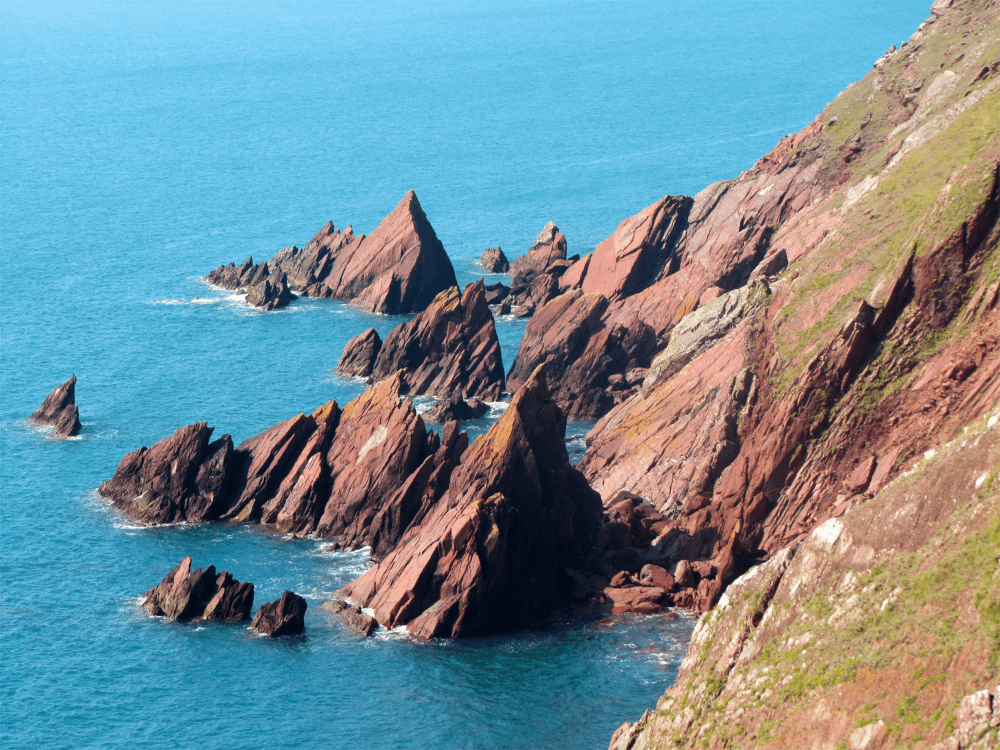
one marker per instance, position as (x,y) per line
(142,144)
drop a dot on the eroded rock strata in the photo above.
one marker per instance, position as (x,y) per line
(450,349)
(186,594)
(494,261)
(333,473)
(826,434)
(60,411)
(397,269)
(492,553)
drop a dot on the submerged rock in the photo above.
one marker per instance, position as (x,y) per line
(352,616)
(285,616)
(59,410)
(199,595)
(492,553)
(494,261)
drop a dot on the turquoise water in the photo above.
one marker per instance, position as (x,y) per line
(142,144)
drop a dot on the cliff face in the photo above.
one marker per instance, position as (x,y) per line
(879,629)
(789,400)
(777,413)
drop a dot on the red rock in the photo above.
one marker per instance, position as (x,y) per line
(456,409)
(160,484)
(658,577)
(861,476)
(397,269)
(643,600)
(550,245)
(199,595)
(270,293)
(620,580)
(494,261)
(451,348)
(580,352)
(360,353)
(59,410)
(285,616)
(353,617)
(639,252)
(491,554)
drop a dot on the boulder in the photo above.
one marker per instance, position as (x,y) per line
(491,554)
(494,261)
(360,353)
(59,410)
(270,293)
(451,348)
(352,616)
(496,293)
(642,600)
(550,245)
(186,595)
(285,616)
(456,408)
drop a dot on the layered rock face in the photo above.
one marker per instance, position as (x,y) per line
(550,246)
(397,269)
(822,441)
(332,473)
(451,348)
(352,617)
(888,627)
(359,355)
(285,616)
(199,595)
(491,554)
(59,410)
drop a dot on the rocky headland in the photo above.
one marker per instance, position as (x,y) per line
(795,376)
(397,269)
(59,411)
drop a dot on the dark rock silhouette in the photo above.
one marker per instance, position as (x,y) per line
(199,595)
(59,410)
(285,616)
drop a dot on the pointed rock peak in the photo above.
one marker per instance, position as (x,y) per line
(329,410)
(182,571)
(447,300)
(548,234)
(383,393)
(535,387)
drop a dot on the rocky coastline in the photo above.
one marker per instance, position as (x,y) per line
(795,377)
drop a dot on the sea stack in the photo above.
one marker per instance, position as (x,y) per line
(59,410)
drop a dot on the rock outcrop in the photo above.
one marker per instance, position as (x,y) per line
(284,616)
(397,269)
(352,617)
(59,410)
(457,409)
(264,284)
(494,261)
(334,474)
(270,293)
(492,553)
(359,355)
(550,246)
(186,595)
(451,348)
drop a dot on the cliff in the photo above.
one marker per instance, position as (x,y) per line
(785,420)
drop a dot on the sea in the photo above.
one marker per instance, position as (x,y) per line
(144,143)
